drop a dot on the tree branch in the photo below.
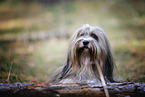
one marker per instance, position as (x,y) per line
(71,90)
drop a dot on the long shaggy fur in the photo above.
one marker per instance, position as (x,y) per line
(89,47)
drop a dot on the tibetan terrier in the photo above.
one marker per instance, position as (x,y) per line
(89,57)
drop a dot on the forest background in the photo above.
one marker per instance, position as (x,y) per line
(34,35)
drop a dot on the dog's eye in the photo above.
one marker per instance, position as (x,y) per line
(81,34)
(94,36)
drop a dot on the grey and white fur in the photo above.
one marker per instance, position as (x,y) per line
(89,47)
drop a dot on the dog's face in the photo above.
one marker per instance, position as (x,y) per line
(88,42)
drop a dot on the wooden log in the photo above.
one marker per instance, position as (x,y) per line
(128,89)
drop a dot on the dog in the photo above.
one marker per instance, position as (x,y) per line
(89,54)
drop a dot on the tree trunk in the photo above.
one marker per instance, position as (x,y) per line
(128,89)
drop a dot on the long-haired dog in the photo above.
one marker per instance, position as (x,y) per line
(89,48)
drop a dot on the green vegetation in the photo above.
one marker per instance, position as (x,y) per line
(34,61)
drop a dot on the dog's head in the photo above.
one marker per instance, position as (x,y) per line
(89,39)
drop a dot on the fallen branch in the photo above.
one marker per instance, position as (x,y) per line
(71,90)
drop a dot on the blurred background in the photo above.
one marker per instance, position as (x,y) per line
(34,35)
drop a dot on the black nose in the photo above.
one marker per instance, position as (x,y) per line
(85,42)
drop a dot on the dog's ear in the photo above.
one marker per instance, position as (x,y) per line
(66,69)
(109,62)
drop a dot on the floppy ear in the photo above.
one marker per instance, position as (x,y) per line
(66,69)
(109,62)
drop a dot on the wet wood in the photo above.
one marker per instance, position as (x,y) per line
(128,89)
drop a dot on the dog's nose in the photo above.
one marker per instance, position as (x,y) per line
(85,42)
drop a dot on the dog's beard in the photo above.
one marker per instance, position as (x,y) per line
(85,71)
(84,68)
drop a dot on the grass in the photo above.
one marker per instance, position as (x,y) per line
(35,61)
